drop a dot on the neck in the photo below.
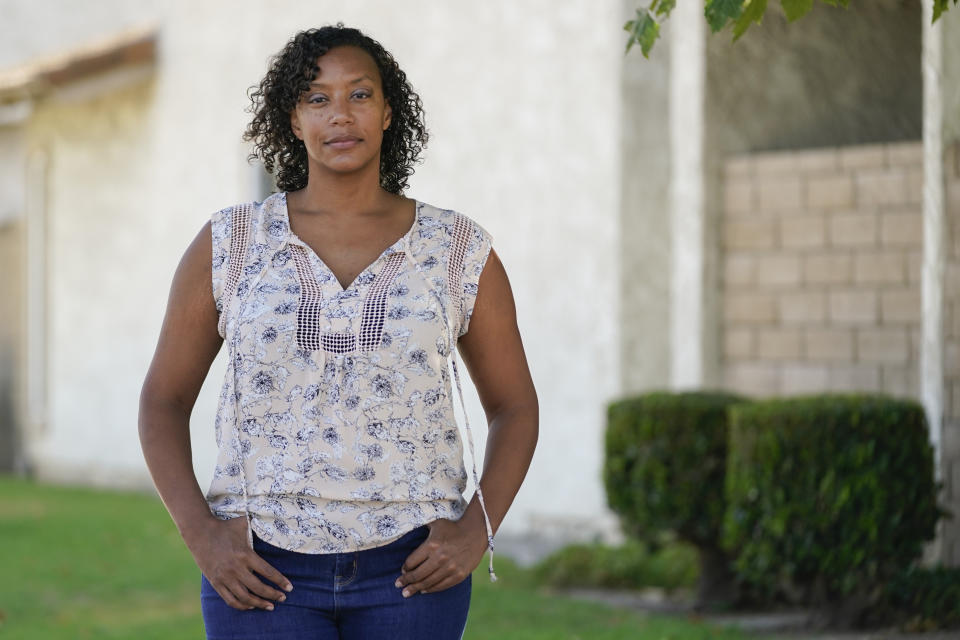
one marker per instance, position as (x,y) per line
(344,194)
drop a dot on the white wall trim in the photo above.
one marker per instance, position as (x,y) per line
(934,230)
(36,294)
(687,89)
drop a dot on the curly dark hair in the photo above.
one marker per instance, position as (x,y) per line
(290,74)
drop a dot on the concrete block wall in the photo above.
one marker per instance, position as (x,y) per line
(950,460)
(821,253)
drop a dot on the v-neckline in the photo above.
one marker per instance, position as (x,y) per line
(393,248)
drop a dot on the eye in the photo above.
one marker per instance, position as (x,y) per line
(363,93)
(316,99)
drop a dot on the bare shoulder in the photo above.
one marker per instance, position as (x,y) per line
(494,312)
(193,277)
(189,340)
(492,348)
(494,285)
(198,256)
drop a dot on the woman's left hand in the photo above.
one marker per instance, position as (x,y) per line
(449,554)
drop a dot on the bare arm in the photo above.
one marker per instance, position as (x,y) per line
(493,353)
(187,346)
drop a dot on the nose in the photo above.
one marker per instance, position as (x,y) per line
(340,112)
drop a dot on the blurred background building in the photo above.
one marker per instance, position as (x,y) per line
(776,216)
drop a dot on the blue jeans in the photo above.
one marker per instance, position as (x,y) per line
(343,596)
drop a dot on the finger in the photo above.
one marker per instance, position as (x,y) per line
(253,588)
(430,581)
(256,586)
(450,574)
(450,581)
(419,572)
(266,570)
(240,594)
(228,597)
(424,582)
(419,555)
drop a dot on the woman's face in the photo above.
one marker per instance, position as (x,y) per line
(342,117)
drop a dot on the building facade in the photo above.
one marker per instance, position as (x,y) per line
(775,216)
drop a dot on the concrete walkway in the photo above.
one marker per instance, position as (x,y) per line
(777,625)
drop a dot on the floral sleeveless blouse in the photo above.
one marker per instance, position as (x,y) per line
(335,423)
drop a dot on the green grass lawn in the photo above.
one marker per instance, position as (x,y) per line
(80,563)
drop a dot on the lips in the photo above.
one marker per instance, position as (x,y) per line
(343,142)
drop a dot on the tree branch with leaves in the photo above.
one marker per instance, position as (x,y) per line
(721,14)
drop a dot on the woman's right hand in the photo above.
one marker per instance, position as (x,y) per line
(221,551)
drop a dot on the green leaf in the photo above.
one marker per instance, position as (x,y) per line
(719,12)
(752,12)
(796,8)
(939,6)
(629,27)
(643,31)
(664,7)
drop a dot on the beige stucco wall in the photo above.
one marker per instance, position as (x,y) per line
(950,461)
(12,266)
(525,139)
(950,457)
(11,340)
(950,23)
(102,236)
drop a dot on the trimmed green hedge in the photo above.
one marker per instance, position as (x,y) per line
(665,464)
(924,599)
(828,496)
(664,473)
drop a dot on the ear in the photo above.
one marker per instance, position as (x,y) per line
(387,117)
(295,123)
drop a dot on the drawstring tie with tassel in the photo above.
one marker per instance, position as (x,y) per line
(241,457)
(452,347)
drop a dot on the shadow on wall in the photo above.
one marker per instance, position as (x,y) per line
(837,77)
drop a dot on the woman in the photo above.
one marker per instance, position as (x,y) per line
(336,508)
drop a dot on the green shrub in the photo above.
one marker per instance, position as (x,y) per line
(828,496)
(632,565)
(665,463)
(925,599)
(664,472)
